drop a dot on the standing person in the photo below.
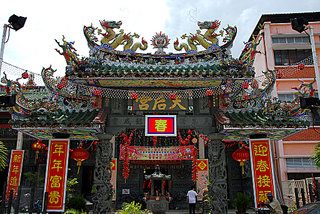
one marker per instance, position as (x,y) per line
(273,204)
(192,200)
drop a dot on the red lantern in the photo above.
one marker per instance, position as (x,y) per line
(79,155)
(134,96)
(241,155)
(60,85)
(96,92)
(279,75)
(254,84)
(301,66)
(38,146)
(172,96)
(209,92)
(25,75)
(245,85)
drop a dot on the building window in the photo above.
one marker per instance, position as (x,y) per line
(287,97)
(300,163)
(293,39)
(290,57)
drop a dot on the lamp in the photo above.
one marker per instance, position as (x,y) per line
(299,24)
(17,22)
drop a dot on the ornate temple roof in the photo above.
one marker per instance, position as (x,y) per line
(202,67)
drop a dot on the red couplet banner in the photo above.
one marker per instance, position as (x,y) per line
(262,170)
(56,176)
(14,174)
(160,125)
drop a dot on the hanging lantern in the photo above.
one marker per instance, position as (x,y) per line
(134,96)
(172,96)
(25,75)
(245,85)
(209,93)
(241,155)
(38,146)
(96,92)
(79,155)
(279,75)
(301,66)
(60,85)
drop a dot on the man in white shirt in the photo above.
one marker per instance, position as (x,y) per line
(192,200)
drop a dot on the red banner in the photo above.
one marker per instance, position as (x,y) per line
(56,176)
(161,125)
(113,180)
(14,174)
(262,170)
(203,177)
(163,153)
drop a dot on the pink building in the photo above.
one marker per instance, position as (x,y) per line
(283,48)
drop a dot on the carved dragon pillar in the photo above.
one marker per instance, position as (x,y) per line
(102,175)
(218,174)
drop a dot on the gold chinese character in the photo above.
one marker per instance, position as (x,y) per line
(17,158)
(144,100)
(160,103)
(262,196)
(176,102)
(56,165)
(15,169)
(58,149)
(161,125)
(260,150)
(55,181)
(54,197)
(262,166)
(13,181)
(263,181)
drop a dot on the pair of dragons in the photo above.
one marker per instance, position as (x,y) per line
(111,40)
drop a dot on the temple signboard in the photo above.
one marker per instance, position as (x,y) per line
(160,103)
(262,170)
(160,125)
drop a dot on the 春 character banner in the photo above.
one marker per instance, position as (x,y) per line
(160,125)
(56,174)
(262,170)
(14,175)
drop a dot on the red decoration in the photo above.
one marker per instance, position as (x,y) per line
(172,96)
(79,155)
(254,84)
(134,96)
(209,93)
(25,75)
(241,155)
(245,85)
(38,146)
(194,164)
(279,75)
(301,66)
(60,85)
(96,92)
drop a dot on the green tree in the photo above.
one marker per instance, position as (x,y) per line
(316,156)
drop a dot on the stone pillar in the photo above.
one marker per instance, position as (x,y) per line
(102,199)
(217,174)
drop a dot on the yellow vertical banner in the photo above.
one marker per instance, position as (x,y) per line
(114,178)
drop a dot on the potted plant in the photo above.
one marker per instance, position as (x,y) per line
(241,203)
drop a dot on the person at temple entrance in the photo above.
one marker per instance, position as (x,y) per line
(192,200)
(273,204)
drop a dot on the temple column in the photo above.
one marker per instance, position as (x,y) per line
(217,174)
(102,175)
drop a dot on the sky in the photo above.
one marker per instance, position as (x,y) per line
(33,46)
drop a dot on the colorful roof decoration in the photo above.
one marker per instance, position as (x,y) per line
(117,68)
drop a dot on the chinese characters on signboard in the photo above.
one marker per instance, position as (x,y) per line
(56,176)
(160,103)
(163,153)
(262,169)
(160,125)
(14,175)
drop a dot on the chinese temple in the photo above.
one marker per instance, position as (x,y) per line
(185,112)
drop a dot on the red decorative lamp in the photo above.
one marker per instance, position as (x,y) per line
(241,155)
(38,146)
(79,155)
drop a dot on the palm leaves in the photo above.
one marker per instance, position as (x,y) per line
(3,156)
(316,156)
